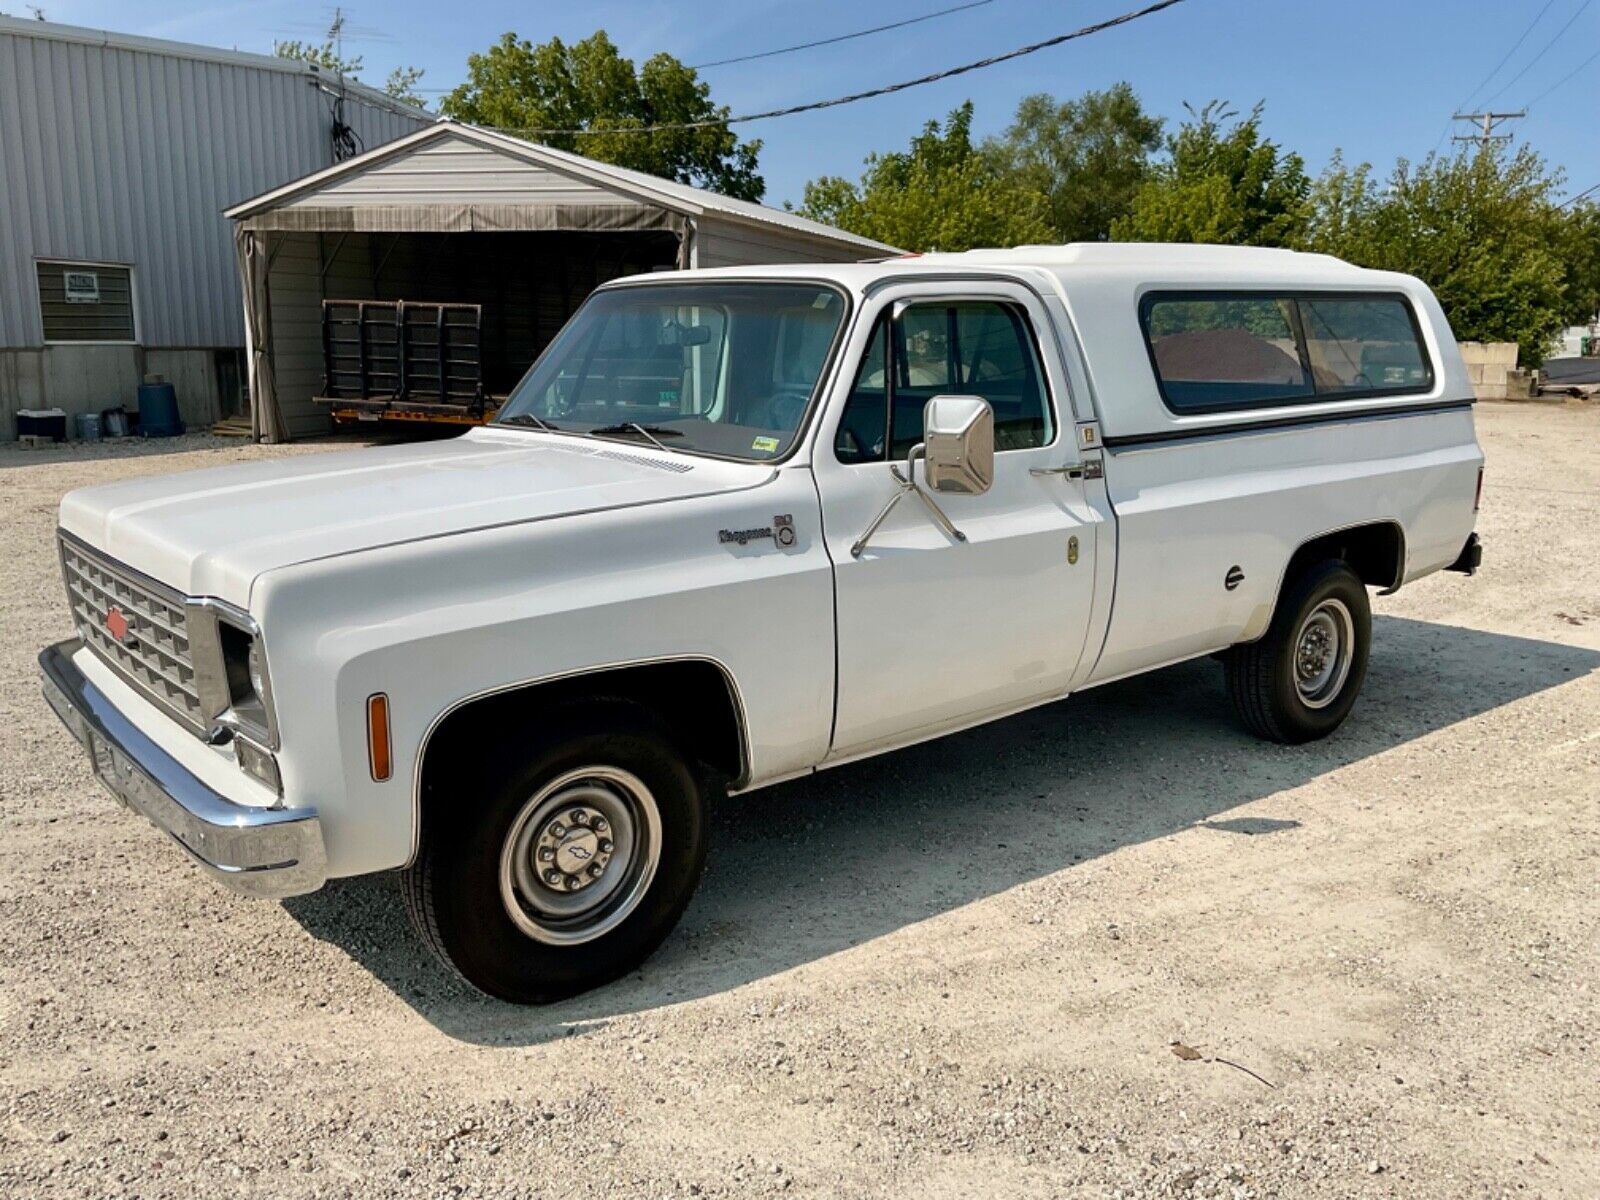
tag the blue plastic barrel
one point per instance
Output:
(158, 410)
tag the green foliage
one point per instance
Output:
(319, 54)
(1222, 182)
(1090, 156)
(1479, 228)
(402, 85)
(941, 194)
(589, 86)
(1579, 249)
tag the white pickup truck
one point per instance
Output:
(737, 526)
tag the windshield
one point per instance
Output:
(716, 368)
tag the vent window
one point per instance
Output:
(86, 302)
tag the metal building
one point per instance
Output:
(356, 277)
(118, 155)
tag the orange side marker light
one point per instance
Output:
(378, 736)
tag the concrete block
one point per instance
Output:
(1503, 354)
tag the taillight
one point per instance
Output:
(1477, 496)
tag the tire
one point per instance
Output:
(478, 890)
(1283, 686)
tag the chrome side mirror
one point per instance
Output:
(958, 444)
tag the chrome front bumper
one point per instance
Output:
(271, 852)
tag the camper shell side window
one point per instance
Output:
(1223, 351)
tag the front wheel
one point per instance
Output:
(1300, 680)
(564, 870)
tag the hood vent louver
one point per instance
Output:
(645, 460)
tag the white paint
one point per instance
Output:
(444, 571)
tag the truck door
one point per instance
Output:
(936, 632)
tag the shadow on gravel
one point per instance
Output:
(810, 868)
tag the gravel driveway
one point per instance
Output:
(1110, 947)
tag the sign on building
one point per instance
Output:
(82, 287)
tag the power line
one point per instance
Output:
(1563, 79)
(1499, 66)
(835, 102)
(1484, 82)
(844, 37)
(1582, 8)
(1571, 200)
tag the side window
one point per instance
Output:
(1214, 353)
(970, 348)
(1364, 345)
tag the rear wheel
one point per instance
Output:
(560, 872)
(1300, 680)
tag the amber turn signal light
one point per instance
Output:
(378, 736)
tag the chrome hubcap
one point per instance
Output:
(580, 855)
(1323, 652)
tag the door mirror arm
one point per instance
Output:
(960, 430)
(907, 485)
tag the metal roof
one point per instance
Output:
(106, 39)
(637, 185)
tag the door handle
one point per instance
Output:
(1069, 472)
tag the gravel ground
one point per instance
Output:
(976, 968)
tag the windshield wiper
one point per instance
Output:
(653, 432)
(527, 418)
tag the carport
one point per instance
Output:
(419, 281)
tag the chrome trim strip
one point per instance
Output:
(267, 852)
(746, 766)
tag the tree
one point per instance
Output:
(402, 85)
(1221, 183)
(1580, 251)
(541, 92)
(941, 194)
(319, 54)
(1089, 156)
(1479, 228)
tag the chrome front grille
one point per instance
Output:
(153, 655)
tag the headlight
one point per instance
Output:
(257, 663)
(231, 676)
(245, 668)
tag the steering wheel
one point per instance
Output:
(786, 407)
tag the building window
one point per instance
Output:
(86, 302)
(1215, 352)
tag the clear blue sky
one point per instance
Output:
(1377, 78)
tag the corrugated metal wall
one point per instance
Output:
(119, 155)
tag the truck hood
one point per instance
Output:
(212, 532)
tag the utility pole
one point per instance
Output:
(1486, 135)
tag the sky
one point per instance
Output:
(1377, 79)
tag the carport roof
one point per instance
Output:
(627, 185)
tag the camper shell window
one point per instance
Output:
(1223, 351)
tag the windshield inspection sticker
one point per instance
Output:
(767, 445)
